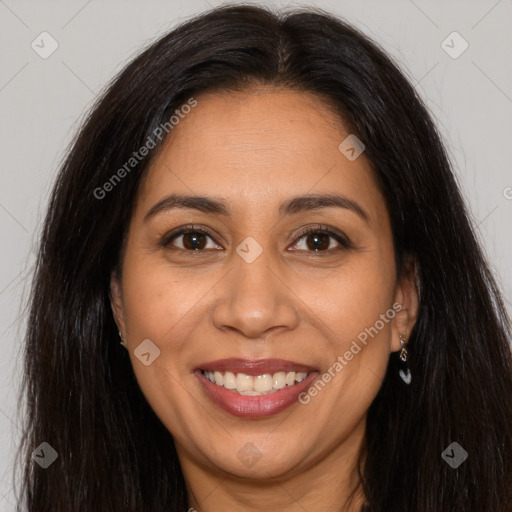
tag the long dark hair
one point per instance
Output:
(82, 397)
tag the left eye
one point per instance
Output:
(317, 240)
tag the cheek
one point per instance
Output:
(158, 301)
(353, 299)
(356, 315)
(160, 307)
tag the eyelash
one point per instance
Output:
(344, 242)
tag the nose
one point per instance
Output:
(255, 300)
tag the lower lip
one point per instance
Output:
(254, 406)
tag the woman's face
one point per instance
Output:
(254, 302)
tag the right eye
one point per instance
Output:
(189, 239)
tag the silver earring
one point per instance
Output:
(403, 352)
(404, 372)
(121, 342)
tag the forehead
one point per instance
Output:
(259, 145)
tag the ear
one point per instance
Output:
(407, 295)
(116, 302)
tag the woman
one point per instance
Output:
(261, 208)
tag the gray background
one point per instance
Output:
(42, 102)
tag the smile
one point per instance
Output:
(254, 388)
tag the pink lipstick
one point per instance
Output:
(254, 388)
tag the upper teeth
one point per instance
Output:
(257, 385)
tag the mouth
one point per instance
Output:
(254, 388)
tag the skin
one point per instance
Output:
(256, 149)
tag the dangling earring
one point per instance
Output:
(122, 342)
(403, 352)
(404, 372)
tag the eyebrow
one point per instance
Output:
(219, 206)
